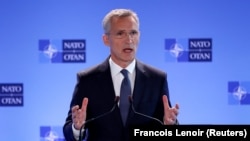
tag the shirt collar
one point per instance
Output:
(115, 69)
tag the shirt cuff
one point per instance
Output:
(76, 132)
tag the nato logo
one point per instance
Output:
(239, 92)
(51, 133)
(188, 50)
(62, 51)
(11, 94)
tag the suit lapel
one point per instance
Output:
(105, 81)
(140, 82)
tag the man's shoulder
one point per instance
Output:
(150, 68)
(88, 70)
(93, 70)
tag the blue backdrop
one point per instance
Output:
(36, 84)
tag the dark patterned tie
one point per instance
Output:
(124, 96)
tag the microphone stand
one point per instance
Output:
(94, 118)
(141, 114)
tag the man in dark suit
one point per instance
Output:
(93, 104)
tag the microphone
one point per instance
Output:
(94, 118)
(141, 114)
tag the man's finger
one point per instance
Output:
(84, 104)
(74, 108)
(165, 102)
(177, 106)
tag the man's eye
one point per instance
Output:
(120, 33)
(134, 32)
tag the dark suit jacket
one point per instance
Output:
(96, 84)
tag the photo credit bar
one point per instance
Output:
(201, 132)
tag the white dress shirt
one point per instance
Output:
(117, 78)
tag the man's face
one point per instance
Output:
(123, 40)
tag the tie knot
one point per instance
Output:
(124, 72)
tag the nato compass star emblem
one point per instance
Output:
(50, 51)
(176, 50)
(51, 136)
(239, 93)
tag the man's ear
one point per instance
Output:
(105, 39)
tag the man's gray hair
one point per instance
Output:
(106, 23)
